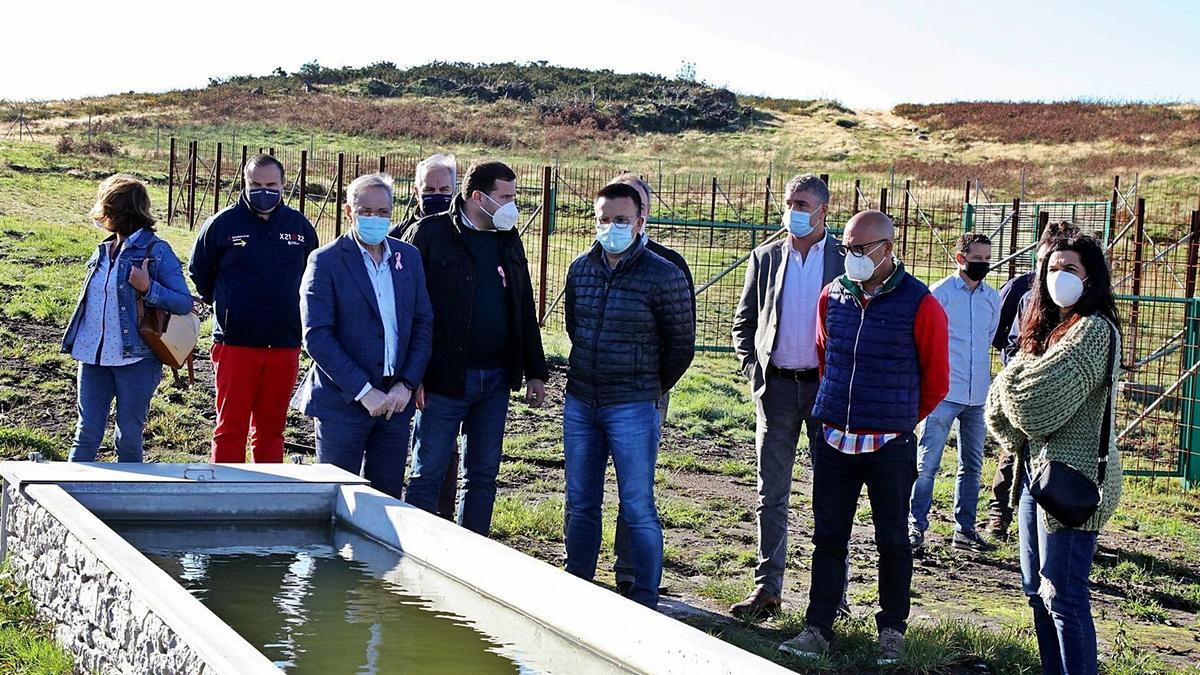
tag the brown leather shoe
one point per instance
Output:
(757, 606)
(997, 529)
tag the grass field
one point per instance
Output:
(968, 610)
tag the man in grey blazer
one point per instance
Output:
(774, 337)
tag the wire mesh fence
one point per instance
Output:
(716, 221)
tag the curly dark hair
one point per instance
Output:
(1043, 324)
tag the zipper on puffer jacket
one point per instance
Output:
(854, 363)
(596, 342)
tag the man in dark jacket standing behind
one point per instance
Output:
(486, 340)
(629, 318)
(248, 261)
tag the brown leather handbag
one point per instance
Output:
(172, 337)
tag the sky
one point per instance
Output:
(865, 53)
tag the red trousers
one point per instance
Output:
(254, 387)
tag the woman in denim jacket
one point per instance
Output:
(114, 361)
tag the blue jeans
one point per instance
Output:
(971, 434)
(629, 432)
(133, 386)
(375, 448)
(481, 413)
(1055, 567)
(622, 569)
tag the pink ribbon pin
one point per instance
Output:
(503, 279)
(399, 265)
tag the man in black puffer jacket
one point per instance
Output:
(629, 317)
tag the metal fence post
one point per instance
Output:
(192, 184)
(712, 205)
(337, 223)
(1193, 253)
(904, 222)
(544, 245)
(217, 181)
(967, 195)
(171, 185)
(1189, 421)
(1112, 211)
(382, 163)
(242, 172)
(856, 183)
(1012, 240)
(1138, 249)
(766, 214)
(883, 200)
(303, 179)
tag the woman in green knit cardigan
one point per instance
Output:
(1048, 404)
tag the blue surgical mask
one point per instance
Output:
(435, 203)
(799, 223)
(372, 229)
(263, 199)
(615, 237)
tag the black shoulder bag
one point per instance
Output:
(1062, 490)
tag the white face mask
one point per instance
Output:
(505, 218)
(861, 268)
(1065, 288)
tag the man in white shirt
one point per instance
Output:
(774, 337)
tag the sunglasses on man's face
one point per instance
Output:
(859, 250)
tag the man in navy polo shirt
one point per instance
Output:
(248, 261)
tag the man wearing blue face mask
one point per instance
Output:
(247, 262)
(629, 318)
(486, 340)
(774, 338)
(368, 327)
(433, 190)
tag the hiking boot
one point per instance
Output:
(916, 539)
(757, 606)
(972, 541)
(810, 644)
(891, 646)
(996, 529)
(623, 588)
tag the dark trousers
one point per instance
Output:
(838, 479)
(375, 448)
(999, 510)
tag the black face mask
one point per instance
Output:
(976, 271)
(435, 203)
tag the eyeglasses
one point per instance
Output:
(620, 225)
(859, 250)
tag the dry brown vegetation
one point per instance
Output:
(1061, 122)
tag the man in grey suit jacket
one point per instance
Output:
(774, 337)
(368, 327)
